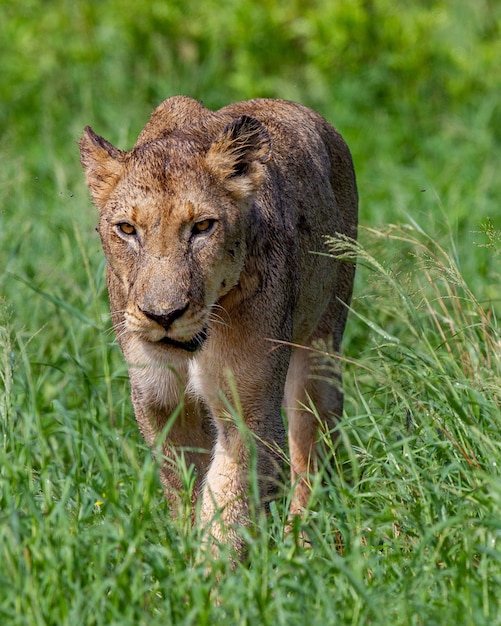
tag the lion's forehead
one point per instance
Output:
(148, 192)
(171, 177)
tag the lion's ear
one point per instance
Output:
(103, 165)
(238, 155)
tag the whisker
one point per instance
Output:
(120, 332)
(218, 319)
(119, 329)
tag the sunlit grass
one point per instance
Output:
(413, 494)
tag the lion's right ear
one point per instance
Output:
(103, 164)
(238, 155)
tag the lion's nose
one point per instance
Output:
(165, 319)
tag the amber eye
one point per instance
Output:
(203, 227)
(126, 229)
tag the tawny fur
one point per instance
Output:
(210, 225)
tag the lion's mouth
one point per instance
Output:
(188, 346)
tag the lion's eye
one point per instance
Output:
(126, 229)
(203, 227)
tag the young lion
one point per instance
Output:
(210, 226)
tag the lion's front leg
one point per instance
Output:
(183, 436)
(226, 497)
(231, 491)
(249, 451)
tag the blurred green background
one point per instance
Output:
(415, 84)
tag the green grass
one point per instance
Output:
(415, 491)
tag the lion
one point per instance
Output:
(221, 293)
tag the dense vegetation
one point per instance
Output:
(415, 492)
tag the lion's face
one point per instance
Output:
(173, 222)
(175, 254)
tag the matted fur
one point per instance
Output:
(210, 225)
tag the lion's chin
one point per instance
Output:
(188, 346)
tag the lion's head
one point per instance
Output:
(173, 216)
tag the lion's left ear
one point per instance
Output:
(238, 155)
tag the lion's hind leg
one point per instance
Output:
(313, 401)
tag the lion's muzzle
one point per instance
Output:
(166, 319)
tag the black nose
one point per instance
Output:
(165, 319)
